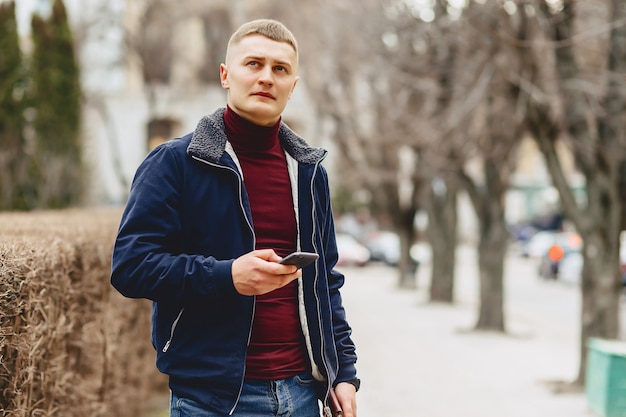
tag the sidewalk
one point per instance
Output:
(422, 360)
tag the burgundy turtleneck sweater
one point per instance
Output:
(276, 348)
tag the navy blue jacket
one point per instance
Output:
(187, 218)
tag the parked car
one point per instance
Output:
(523, 231)
(351, 251)
(384, 247)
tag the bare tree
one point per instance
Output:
(397, 84)
(574, 60)
(477, 121)
(497, 145)
(441, 200)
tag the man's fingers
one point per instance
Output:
(258, 272)
(265, 254)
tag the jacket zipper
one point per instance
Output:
(243, 211)
(169, 341)
(319, 319)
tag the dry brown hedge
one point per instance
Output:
(70, 345)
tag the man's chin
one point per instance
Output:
(262, 113)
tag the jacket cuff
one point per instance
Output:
(347, 373)
(356, 382)
(220, 278)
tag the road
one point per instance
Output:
(421, 359)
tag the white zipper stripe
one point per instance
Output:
(169, 341)
(319, 318)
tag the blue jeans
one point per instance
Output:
(291, 397)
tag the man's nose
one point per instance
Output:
(267, 76)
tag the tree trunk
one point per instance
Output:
(406, 268)
(491, 251)
(442, 234)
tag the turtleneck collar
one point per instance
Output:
(243, 134)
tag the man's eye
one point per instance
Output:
(281, 68)
(253, 63)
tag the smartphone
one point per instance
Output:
(299, 259)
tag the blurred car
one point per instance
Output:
(384, 247)
(523, 231)
(351, 251)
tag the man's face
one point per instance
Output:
(260, 75)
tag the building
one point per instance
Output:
(150, 72)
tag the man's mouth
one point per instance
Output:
(263, 94)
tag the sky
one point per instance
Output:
(23, 11)
(25, 8)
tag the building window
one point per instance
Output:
(161, 130)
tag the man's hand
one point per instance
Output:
(346, 394)
(258, 272)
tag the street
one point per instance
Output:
(421, 359)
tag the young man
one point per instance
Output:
(208, 219)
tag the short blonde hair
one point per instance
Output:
(269, 28)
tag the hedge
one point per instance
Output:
(70, 345)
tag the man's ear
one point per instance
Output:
(224, 76)
(293, 87)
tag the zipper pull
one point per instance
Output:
(167, 346)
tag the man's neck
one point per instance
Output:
(244, 134)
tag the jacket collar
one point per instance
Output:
(208, 141)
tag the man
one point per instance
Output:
(208, 219)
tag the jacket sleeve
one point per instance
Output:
(147, 258)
